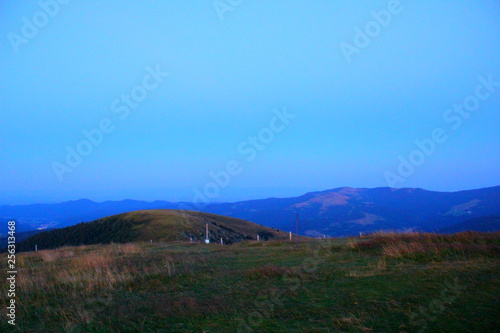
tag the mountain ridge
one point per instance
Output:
(340, 211)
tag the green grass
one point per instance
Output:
(325, 286)
(158, 225)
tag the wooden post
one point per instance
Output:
(36, 248)
(290, 235)
(297, 236)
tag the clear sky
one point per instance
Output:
(355, 113)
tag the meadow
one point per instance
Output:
(382, 282)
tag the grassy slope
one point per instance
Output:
(483, 224)
(174, 225)
(382, 284)
(156, 225)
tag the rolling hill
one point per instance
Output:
(348, 211)
(152, 225)
(20, 236)
(336, 212)
(482, 224)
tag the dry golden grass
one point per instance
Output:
(352, 244)
(54, 255)
(179, 287)
(398, 250)
(428, 245)
(86, 270)
(123, 249)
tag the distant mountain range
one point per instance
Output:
(337, 212)
(484, 224)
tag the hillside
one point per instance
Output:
(483, 224)
(348, 211)
(336, 212)
(20, 236)
(155, 225)
(30, 217)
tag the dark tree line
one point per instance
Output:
(110, 230)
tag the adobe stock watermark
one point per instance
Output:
(371, 30)
(454, 117)
(264, 307)
(31, 27)
(420, 320)
(121, 107)
(248, 149)
(223, 6)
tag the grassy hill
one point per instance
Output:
(377, 283)
(20, 236)
(156, 225)
(336, 212)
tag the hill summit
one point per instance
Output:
(160, 225)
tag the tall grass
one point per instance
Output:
(360, 284)
(87, 270)
(428, 245)
(51, 255)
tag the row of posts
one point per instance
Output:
(222, 242)
(258, 237)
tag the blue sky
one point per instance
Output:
(352, 119)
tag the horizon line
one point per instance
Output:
(263, 198)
